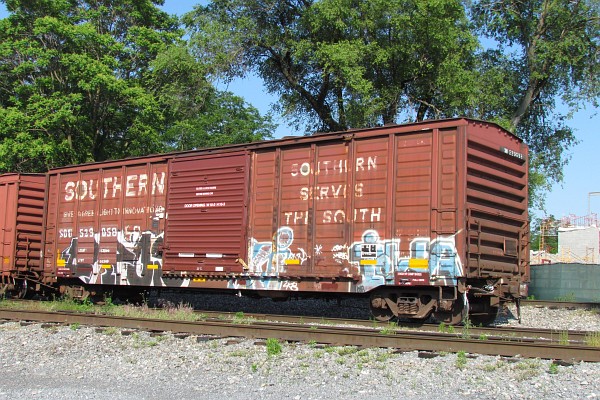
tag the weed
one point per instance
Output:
(563, 338)
(254, 367)
(389, 329)
(592, 339)
(492, 367)
(483, 336)
(273, 347)
(553, 369)
(75, 326)
(312, 343)
(343, 351)
(569, 297)
(239, 353)
(340, 361)
(443, 328)
(238, 317)
(110, 331)
(466, 329)
(528, 369)
(461, 360)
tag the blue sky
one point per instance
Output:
(581, 175)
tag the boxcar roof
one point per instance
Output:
(289, 140)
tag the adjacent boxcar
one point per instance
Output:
(424, 218)
(22, 199)
(105, 223)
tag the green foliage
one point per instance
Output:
(90, 81)
(73, 81)
(542, 51)
(337, 64)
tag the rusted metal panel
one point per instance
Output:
(207, 214)
(105, 222)
(22, 197)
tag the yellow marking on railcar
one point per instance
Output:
(418, 263)
(152, 266)
(292, 262)
(368, 262)
(106, 266)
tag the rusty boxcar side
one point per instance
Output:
(22, 199)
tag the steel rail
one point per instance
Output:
(476, 331)
(328, 335)
(560, 304)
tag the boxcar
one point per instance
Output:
(421, 218)
(22, 205)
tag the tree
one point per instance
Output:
(337, 64)
(547, 51)
(72, 73)
(90, 80)
(196, 114)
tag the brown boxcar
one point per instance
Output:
(424, 218)
(22, 200)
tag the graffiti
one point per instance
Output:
(375, 259)
(288, 285)
(269, 259)
(136, 261)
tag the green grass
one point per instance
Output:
(273, 347)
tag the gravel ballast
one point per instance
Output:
(61, 362)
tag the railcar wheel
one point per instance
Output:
(379, 309)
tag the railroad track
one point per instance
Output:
(555, 335)
(573, 305)
(335, 335)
